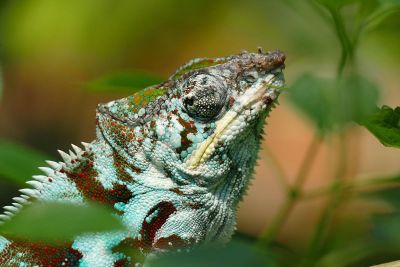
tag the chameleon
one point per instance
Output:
(171, 161)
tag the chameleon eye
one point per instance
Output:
(205, 100)
(250, 78)
(188, 101)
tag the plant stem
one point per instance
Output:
(269, 234)
(338, 188)
(292, 194)
(346, 46)
(280, 173)
(307, 162)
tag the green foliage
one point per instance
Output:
(384, 124)
(58, 222)
(331, 104)
(123, 81)
(312, 96)
(386, 229)
(18, 163)
(336, 3)
(236, 254)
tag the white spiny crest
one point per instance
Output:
(17, 205)
(55, 165)
(86, 146)
(37, 185)
(47, 171)
(9, 214)
(29, 192)
(65, 156)
(3, 218)
(72, 155)
(40, 178)
(77, 150)
(20, 200)
(10, 209)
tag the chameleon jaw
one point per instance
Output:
(259, 96)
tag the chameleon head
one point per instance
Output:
(236, 96)
(209, 116)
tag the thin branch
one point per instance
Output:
(292, 195)
(307, 163)
(280, 172)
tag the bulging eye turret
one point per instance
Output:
(205, 96)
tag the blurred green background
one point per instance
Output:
(50, 51)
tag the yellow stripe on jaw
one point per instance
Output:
(207, 147)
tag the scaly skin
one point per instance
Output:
(172, 161)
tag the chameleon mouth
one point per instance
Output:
(259, 97)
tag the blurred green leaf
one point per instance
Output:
(392, 3)
(18, 163)
(389, 195)
(58, 222)
(331, 104)
(385, 9)
(384, 124)
(356, 99)
(351, 252)
(386, 228)
(337, 3)
(123, 81)
(235, 254)
(313, 96)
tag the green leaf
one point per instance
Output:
(384, 124)
(59, 222)
(336, 3)
(391, 3)
(386, 228)
(123, 81)
(347, 255)
(331, 104)
(313, 96)
(18, 163)
(385, 9)
(356, 99)
(235, 254)
(389, 195)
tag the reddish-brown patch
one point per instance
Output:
(231, 101)
(42, 254)
(189, 127)
(176, 191)
(122, 263)
(173, 241)
(84, 177)
(149, 229)
(194, 206)
(122, 134)
(120, 165)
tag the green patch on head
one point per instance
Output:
(196, 64)
(142, 98)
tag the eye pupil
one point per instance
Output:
(189, 101)
(250, 78)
